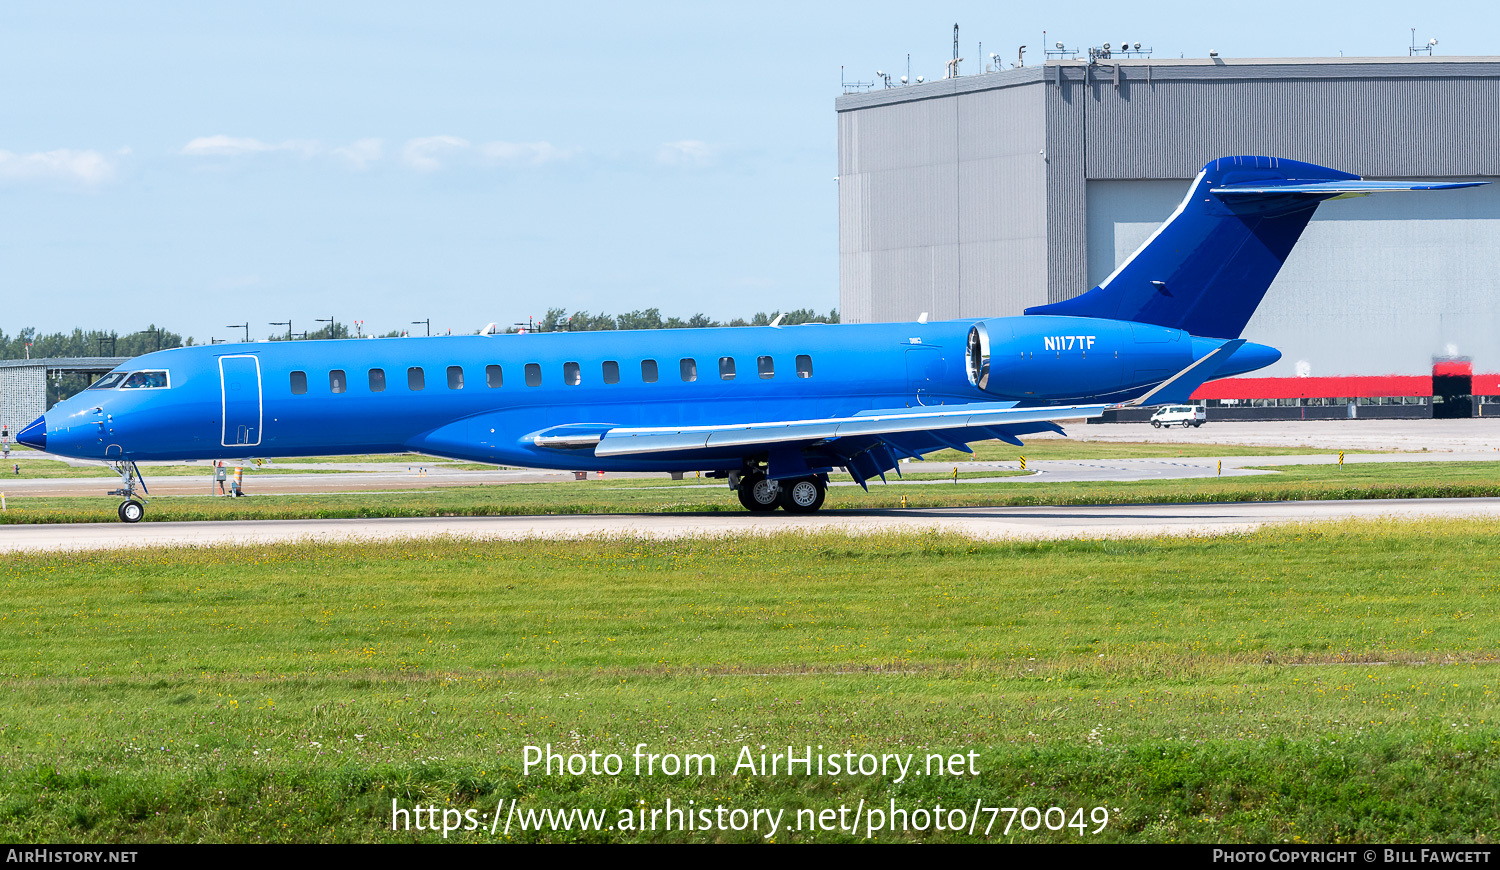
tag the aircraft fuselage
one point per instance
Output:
(483, 398)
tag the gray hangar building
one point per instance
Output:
(980, 195)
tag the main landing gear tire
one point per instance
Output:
(803, 495)
(131, 511)
(758, 494)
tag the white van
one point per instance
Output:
(1179, 415)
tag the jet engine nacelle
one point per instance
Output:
(1052, 358)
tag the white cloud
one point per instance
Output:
(688, 152)
(522, 153)
(64, 164)
(234, 146)
(223, 146)
(361, 154)
(422, 154)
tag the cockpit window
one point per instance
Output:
(145, 381)
(108, 382)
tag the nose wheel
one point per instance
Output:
(131, 509)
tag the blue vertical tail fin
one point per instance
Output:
(1206, 269)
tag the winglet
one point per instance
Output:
(1179, 387)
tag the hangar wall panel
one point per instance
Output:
(1387, 120)
(942, 206)
(1066, 213)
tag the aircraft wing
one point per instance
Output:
(636, 440)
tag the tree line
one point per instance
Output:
(92, 342)
(99, 342)
(559, 320)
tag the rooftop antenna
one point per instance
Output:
(1057, 50)
(1415, 49)
(848, 87)
(953, 64)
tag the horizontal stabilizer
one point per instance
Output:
(1179, 387)
(1336, 189)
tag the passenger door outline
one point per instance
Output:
(240, 428)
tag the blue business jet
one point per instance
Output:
(771, 409)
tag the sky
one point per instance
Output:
(199, 164)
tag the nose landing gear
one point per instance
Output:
(131, 510)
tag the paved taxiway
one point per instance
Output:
(1002, 522)
(341, 479)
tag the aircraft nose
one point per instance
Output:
(35, 435)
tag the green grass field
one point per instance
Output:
(1323, 683)
(1289, 483)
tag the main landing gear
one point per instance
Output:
(801, 495)
(131, 509)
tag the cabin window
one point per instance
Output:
(648, 371)
(766, 367)
(804, 365)
(611, 372)
(455, 377)
(493, 376)
(689, 369)
(572, 375)
(145, 380)
(299, 383)
(109, 381)
(377, 380)
(533, 375)
(726, 368)
(337, 383)
(415, 379)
